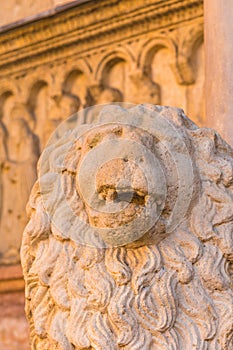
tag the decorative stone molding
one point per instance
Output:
(57, 35)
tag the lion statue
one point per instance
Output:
(130, 239)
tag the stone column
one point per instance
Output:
(218, 15)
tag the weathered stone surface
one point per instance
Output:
(169, 288)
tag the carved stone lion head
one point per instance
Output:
(129, 243)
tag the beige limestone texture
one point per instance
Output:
(170, 293)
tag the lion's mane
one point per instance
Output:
(176, 295)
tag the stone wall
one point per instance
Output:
(20, 10)
(13, 324)
(91, 52)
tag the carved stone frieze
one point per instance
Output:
(60, 31)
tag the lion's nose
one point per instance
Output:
(121, 181)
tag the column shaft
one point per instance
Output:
(218, 17)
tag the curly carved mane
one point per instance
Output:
(170, 296)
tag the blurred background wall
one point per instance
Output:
(15, 10)
(57, 57)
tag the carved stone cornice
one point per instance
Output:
(77, 29)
